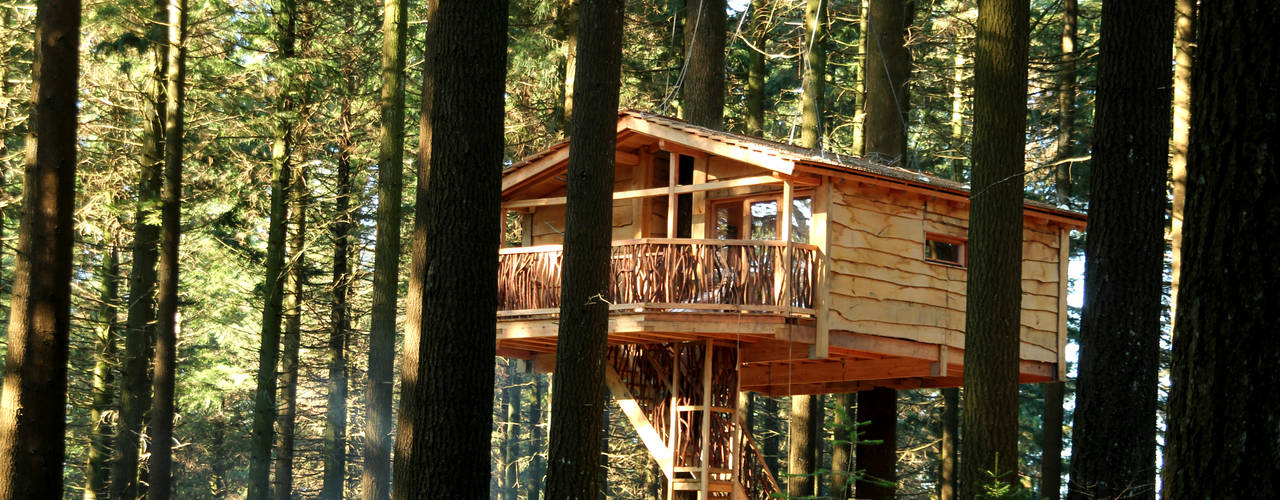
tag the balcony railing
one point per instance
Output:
(671, 274)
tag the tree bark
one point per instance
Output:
(815, 73)
(448, 388)
(1222, 421)
(758, 30)
(96, 468)
(1066, 102)
(33, 405)
(536, 446)
(995, 245)
(950, 437)
(888, 66)
(166, 370)
(704, 32)
(264, 401)
(286, 422)
(842, 452)
(375, 477)
(1114, 439)
(1051, 442)
(335, 422)
(135, 390)
(802, 449)
(574, 460)
(879, 408)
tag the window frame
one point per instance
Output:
(961, 242)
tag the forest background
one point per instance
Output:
(239, 72)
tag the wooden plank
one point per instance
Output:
(707, 359)
(698, 217)
(673, 170)
(883, 346)
(710, 146)
(644, 429)
(839, 370)
(674, 426)
(819, 235)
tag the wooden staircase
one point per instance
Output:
(681, 398)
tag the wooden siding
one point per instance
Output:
(882, 285)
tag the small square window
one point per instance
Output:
(944, 250)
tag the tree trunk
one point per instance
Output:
(801, 454)
(536, 446)
(291, 341)
(569, 51)
(995, 246)
(704, 30)
(815, 72)
(33, 405)
(166, 370)
(842, 452)
(335, 422)
(1051, 442)
(888, 66)
(769, 445)
(448, 387)
(950, 437)
(574, 460)
(1222, 418)
(1114, 439)
(879, 409)
(957, 114)
(375, 478)
(512, 430)
(264, 401)
(860, 80)
(758, 30)
(96, 470)
(1066, 102)
(135, 387)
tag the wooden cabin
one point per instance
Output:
(741, 264)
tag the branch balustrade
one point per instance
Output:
(671, 274)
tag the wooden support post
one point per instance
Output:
(640, 175)
(698, 221)
(674, 430)
(705, 479)
(782, 269)
(673, 175)
(1064, 257)
(820, 236)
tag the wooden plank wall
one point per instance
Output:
(548, 222)
(882, 285)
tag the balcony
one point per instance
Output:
(672, 275)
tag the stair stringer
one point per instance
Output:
(644, 429)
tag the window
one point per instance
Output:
(944, 249)
(756, 218)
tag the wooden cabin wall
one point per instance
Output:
(881, 283)
(548, 222)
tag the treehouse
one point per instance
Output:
(740, 264)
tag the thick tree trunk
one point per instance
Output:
(166, 370)
(335, 422)
(375, 478)
(135, 387)
(1223, 413)
(574, 459)
(888, 66)
(286, 422)
(96, 470)
(950, 437)
(448, 387)
(1066, 102)
(879, 408)
(815, 72)
(842, 451)
(33, 405)
(1114, 439)
(1051, 442)
(802, 447)
(995, 245)
(704, 32)
(758, 30)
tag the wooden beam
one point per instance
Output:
(842, 370)
(673, 171)
(533, 169)
(1064, 257)
(624, 158)
(674, 428)
(652, 192)
(884, 346)
(820, 235)
(850, 386)
(710, 146)
(644, 429)
(698, 212)
(671, 147)
(707, 357)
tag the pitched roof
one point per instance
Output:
(787, 153)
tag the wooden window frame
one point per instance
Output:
(746, 201)
(962, 242)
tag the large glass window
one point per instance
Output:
(757, 218)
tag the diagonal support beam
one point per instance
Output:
(648, 435)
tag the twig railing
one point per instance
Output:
(671, 274)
